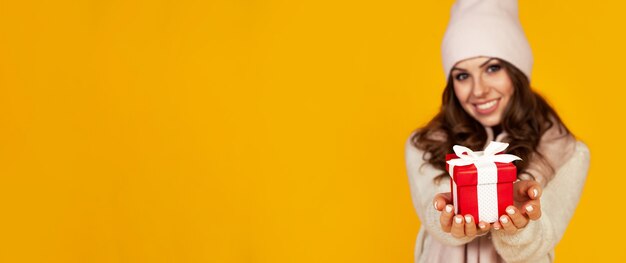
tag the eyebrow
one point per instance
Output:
(481, 65)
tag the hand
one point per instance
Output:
(526, 207)
(459, 226)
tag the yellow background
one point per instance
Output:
(263, 131)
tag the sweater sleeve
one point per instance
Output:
(558, 202)
(423, 190)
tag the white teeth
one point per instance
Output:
(487, 105)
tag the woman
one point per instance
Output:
(487, 61)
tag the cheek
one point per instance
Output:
(503, 84)
(461, 93)
(510, 90)
(507, 95)
(507, 92)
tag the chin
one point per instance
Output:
(489, 122)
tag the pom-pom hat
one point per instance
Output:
(488, 28)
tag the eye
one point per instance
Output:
(461, 76)
(493, 68)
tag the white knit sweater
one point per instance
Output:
(533, 243)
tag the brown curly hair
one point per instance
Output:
(526, 118)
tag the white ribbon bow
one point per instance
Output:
(488, 156)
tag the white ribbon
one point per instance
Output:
(488, 156)
(487, 172)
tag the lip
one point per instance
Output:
(486, 111)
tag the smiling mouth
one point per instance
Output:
(487, 107)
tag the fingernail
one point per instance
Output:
(535, 192)
(435, 205)
(448, 208)
(504, 220)
(481, 225)
(468, 219)
(496, 227)
(458, 219)
(529, 208)
(510, 210)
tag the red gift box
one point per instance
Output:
(482, 187)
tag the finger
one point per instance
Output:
(507, 225)
(519, 220)
(533, 209)
(534, 190)
(470, 226)
(458, 227)
(446, 218)
(441, 200)
(497, 225)
(483, 228)
(524, 190)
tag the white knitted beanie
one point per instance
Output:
(488, 28)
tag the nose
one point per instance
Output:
(481, 88)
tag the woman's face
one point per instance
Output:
(483, 88)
